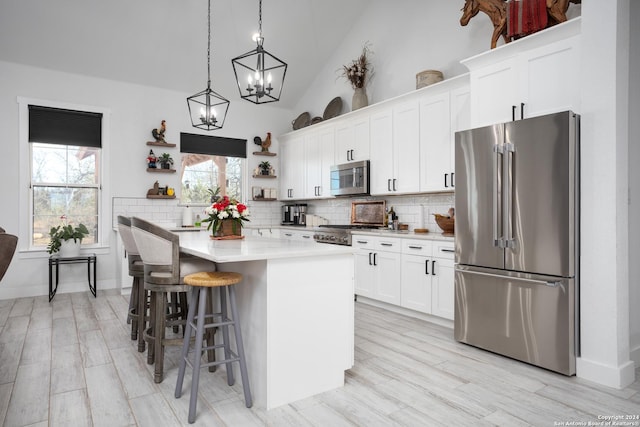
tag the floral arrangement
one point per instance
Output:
(65, 232)
(224, 208)
(359, 70)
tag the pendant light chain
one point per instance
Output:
(209, 46)
(260, 18)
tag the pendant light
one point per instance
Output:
(207, 109)
(259, 74)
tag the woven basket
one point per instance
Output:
(428, 77)
(445, 223)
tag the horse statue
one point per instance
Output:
(497, 12)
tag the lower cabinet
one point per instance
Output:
(377, 264)
(411, 273)
(302, 234)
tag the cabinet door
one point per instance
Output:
(442, 282)
(292, 169)
(313, 165)
(494, 91)
(326, 141)
(364, 273)
(406, 148)
(415, 283)
(435, 143)
(545, 91)
(381, 149)
(352, 140)
(387, 280)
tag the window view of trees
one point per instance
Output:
(201, 172)
(64, 181)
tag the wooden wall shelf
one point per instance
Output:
(263, 153)
(264, 176)
(160, 170)
(161, 144)
(160, 196)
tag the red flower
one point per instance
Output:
(241, 208)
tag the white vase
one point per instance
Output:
(359, 99)
(69, 248)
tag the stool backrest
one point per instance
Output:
(133, 255)
(159, 250)
(8, 244)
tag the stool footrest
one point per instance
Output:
(213, 325)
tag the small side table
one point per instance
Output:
(56, 260)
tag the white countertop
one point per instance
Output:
(405, 234)
(253, 248)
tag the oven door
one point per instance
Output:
(350, 179)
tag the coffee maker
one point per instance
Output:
(295, 214)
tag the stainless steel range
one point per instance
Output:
(364, 215)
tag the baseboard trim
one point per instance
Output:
(405, 311)
(611, 376)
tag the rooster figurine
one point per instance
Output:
(266, 143)
(158, 134)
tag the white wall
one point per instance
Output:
(406, 36)
(134, 111)
(634, 184)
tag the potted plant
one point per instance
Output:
(265, 168)
(63, 237)
(165, 160)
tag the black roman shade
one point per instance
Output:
(65, 127)
(213, 145)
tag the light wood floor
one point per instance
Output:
(71, 363)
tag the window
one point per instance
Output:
(208, 163)
(65, 164)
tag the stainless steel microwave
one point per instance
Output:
(350, 178)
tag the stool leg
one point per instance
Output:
(173, 308)
(185, 342)
(210, 334)
(184, 309)
(195, 378)
(225, 335)
(142, 313)
(133, 308)
(152, 325)
(158, 334)
(243, 365)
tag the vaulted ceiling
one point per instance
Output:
(163, 43)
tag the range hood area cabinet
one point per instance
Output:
(533, 76)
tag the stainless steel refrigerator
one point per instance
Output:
(516, 229)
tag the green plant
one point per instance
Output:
(265, 166)
(65, 232)
(166, 158)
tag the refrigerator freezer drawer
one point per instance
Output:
(526, 319)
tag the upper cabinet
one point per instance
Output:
(352, 139)
(319, 157)
(536, 75)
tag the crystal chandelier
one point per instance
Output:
(207, 109)
(259, 74)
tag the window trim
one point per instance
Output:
(25, 249)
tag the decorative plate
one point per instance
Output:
(334, 108)
(302, 121)
(316, 119)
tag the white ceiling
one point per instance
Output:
(163, 43)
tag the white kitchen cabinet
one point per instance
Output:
(302, 234)
(319, 157)
(443, 111)
(427, 281)
(536, 75)
(352, 139)
(292, 176)
(377, 266)
(265, 232)
(395, 145)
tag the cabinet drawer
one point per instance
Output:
(443, 250)
(388, 245)
(417, 247)
(363, 242)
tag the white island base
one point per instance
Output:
(297, 325)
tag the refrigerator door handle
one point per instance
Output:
(497, 197)
(509, 157)
(550, 283)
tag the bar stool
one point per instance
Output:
(200, 295)
(164, 271)
(137, 314)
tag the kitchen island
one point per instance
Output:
(296, 312)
